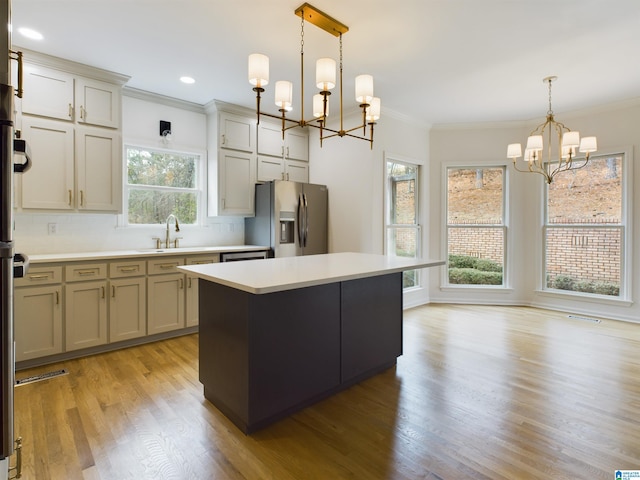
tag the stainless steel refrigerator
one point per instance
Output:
(291, 218)
(11, 264)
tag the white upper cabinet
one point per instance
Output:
(98, 179)
(50, 182)
(56, 94)
(233, 193)
(98, 103)
(237, 132)
(71, 121)
(282, 159)
(48, 92)
(294, 146)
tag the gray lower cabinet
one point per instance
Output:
(85, 306)
(165, 301)
(127, 300)
(67, 307)
(38, 313)
(127, 309)
(38, 325)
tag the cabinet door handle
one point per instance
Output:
(189, 282)
(85, 273)
(57, 297)
(182, 284)
(113, 291)
(82, 113)
(82, 198)
(103, 292)
(287, 152)
(40, 276)
(224, 139)
(166, 266)
(70, 197)
(70, 111)
(128, 269)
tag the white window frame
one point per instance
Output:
(505, 225)
(418, 216)
(627, 236)
(200, 184)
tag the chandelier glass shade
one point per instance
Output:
(328, 76)
(558, 155)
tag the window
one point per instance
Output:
(402, 226)
(476, 230)
(160, 183)
(585, 229)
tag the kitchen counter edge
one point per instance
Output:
(288, 273)
(152, 253)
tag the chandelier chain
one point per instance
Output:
(341, 52)
(302, 33)
(550, 112)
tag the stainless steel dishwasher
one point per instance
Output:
(241, 256)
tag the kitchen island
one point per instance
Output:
(277, 335)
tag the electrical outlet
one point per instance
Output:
(53, 228)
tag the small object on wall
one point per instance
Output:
(165, 131)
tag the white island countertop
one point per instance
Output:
(288, 273)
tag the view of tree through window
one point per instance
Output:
(403, 229)
(584, 230)
(160, 184)
(475, 225)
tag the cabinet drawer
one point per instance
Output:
(127, 269)
(40, 276)
(87, 271)
(164, 265)
(202, 260)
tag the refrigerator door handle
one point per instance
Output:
(299, 220)
(20, 146)
(306, 220)
(20, 265)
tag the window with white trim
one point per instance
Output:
(160, 183)
(402, 216)
(585, 228)
(476, 229)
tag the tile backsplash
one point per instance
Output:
(65, 233)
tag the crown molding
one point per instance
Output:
(584, 112)
(70, 66)
(162, 99)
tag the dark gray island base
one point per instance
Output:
(265, 356)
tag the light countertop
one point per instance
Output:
(279, 274)
(150, 252)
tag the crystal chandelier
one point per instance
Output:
(325, 81)
(560, 156)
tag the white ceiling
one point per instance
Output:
(438, 61)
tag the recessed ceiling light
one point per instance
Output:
(30, 33)
(187, 80)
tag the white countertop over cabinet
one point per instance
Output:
(288, 273)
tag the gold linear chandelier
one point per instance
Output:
(560, 157)
(325, 81)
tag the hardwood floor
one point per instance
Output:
(480, 393)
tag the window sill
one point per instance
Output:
(476, 288)
(578, 297)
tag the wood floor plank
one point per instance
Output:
(481, 392)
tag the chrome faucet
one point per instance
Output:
(168, 237)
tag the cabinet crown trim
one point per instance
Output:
(72, 67)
